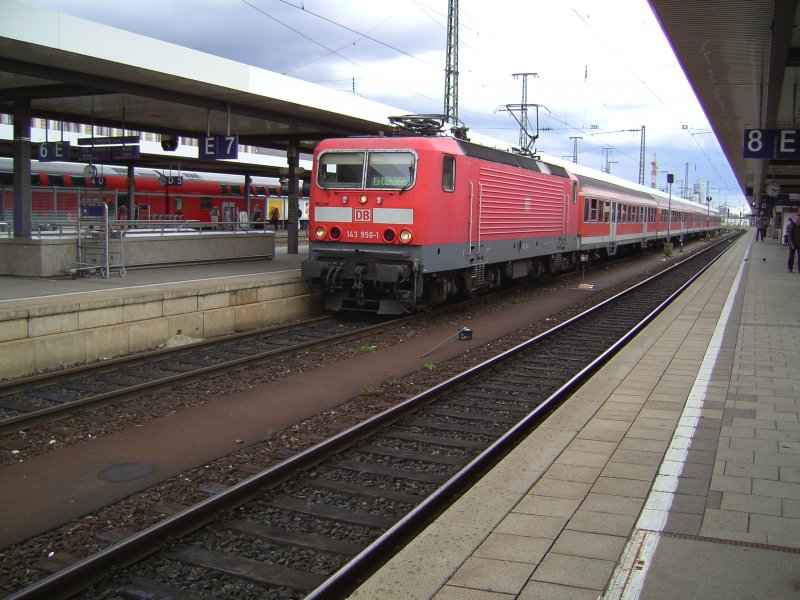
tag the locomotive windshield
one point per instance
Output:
(374, 169)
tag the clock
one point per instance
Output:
(773, 189)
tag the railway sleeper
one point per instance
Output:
(434, 440)
(491, 432)
(351, 489)
(479, 401)
(426, 457)
(252, 570)
(332, 513)
(473, 416)
(141, 588)
(372, 469)
(298, 539)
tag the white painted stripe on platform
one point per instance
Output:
(630, 574)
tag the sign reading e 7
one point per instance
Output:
(219, 147)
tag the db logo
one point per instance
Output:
(363, 215)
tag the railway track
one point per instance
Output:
(25, 402)
(314, 524)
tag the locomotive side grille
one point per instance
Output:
(514, 204)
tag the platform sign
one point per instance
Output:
(218, 147)
(171, 180)
(772, 143)
(50, 151)
(98, 181)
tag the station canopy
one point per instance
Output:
(76, 71)
(740, 56)
(742, 59)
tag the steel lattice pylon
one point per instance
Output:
(451, 68)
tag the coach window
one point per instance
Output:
(593, 216)
(449, 173)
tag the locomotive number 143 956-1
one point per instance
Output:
(361, 235)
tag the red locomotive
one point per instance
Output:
(400, 223)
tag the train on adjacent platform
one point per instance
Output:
(402, 223)
(57, 188)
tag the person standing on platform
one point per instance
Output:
(122, 215)
(793, 239)
(274, 217)
(761, 228)
(257, 218)
(214, 216)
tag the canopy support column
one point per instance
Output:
(22, 168)
(292, 240)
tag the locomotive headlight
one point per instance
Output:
(320, 232)
(405, 236)
(363, 199)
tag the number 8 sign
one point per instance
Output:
(759, 143)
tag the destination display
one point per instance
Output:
(94, 154)
(109, 141)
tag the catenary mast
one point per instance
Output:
(451, 68)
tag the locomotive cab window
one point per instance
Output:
(390, 170)
(341, 170)
(449, 173)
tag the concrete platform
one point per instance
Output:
(674, 472)
(50, 322)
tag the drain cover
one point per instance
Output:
(126, 472)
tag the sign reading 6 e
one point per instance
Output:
(772, 143)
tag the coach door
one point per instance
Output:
(612, 226)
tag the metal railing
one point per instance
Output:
(66, 229)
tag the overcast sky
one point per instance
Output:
(602, 68)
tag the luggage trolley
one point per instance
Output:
(101, 246)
